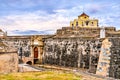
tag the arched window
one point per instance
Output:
(76, 23)
(72, 25)
(82, 24)
(92, 23)
(87, 23)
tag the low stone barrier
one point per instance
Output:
(8, 62)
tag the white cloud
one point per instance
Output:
(38, 21)
(41, 20)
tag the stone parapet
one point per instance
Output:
(8, 62)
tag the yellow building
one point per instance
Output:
(84, 21)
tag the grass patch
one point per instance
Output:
(45, 75)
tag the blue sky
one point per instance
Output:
(28, 17)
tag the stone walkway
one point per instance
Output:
(26, 68)
(79, 72)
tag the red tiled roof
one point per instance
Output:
(83, 14)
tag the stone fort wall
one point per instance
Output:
(109, 60)
(8, 62)
(72, 52)
(87, 32)
(100, 56)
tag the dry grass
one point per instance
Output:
(45, 75)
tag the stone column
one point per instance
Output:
(41, 53)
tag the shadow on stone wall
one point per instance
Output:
(74, 52)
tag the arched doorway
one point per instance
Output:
(35, 55)
(35, 52)
(29, 62)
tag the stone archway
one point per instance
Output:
(35, 55)
(29, 62)
(36, 49)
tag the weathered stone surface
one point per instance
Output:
(72, 52)
(115, 58)
(84, 53)
(20, 43)
(8, 62)
(104, 58)
(109, 60)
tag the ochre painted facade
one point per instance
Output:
(84, 21)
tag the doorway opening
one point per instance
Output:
(35, 55)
